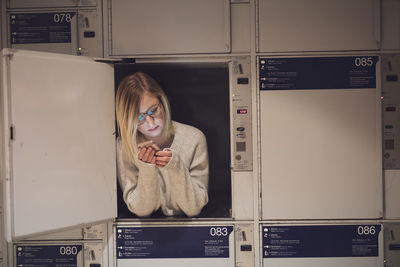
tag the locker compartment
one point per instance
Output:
(320, 138)
(329, 245)
(61, 253)
(188, 244)
(312, 25)
(197, 92)
(65, 31)
(84, 247)
(175, 27)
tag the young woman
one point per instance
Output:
(161, 163)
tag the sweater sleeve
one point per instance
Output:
(139, 184)
(190, 179)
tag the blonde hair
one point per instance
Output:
(127, 102)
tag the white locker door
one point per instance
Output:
(62, 156)
(175, 245)
(320, 148)
(169, 27)
(326, 245)
(315, 25)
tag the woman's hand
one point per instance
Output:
(163, 157)
(147, 154)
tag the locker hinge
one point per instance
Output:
(11, 132)
(8, 52)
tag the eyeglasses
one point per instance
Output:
(153, 112)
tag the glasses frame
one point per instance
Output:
(150, 112)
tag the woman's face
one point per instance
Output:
(152, 125)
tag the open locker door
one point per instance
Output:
(59, 111)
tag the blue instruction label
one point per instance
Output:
(321, 241)
(36, 28)
(47, 256)
(173, 242)
(347, 72)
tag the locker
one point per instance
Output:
(328, 245)
(310, 25)
(57, 177)
(320, 120)
(194, 27)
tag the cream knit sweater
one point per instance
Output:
(179, 187)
